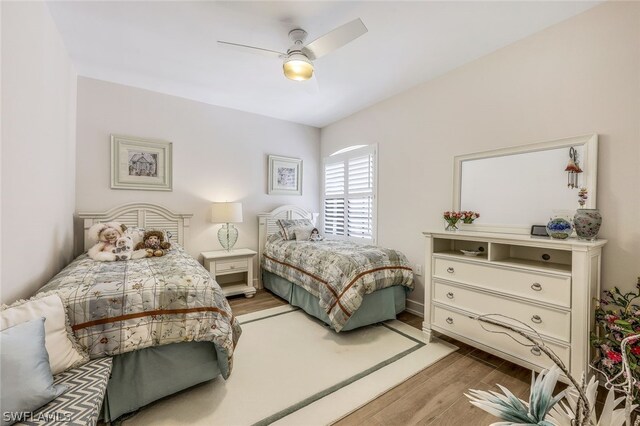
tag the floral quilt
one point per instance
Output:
(337, 272)
(118, 307)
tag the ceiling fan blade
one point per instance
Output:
(253, 49)
(335, 39)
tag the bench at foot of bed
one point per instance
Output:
(80, 405)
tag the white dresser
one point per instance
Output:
(547, 284)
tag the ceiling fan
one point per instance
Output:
(298, 60)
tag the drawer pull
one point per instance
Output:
(450, 270)
(536, 319)
(450, 295)
(449, 320)
(536, 287)
(536, 351)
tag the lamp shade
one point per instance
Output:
(226, 212)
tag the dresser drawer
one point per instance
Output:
(555, 289)
(550, 322)
(470, 328)
(232, 265)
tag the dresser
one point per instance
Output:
(549, 285)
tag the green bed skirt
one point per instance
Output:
(141, 377)
(376, 307)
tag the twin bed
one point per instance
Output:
(164, 320)
(345, 285)
(167, 324)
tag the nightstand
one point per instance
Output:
(233, 270)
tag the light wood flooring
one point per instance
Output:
(435, 396)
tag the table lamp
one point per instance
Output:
(227, 213)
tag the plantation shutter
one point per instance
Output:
(334, 183)
(349, 195)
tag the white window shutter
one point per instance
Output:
(349, 195)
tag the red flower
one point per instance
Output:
(614, 356)
(611, 318)
(635, 350)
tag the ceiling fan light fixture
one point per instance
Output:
(298, 67)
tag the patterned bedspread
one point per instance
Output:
(339, 273)
(118, 307)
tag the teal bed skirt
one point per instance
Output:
(146, 375)
(376, 307)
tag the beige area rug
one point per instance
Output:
(290, 369)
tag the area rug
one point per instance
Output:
(291, 369)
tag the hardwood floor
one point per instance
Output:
(435, 396)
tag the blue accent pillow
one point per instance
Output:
(25, 374)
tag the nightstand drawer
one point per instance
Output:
(232, 265)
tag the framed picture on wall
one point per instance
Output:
(285, 175)
(140, 164)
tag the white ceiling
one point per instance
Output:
(170, 47)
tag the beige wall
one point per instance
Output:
(38, 150)
(218, 154)
(580, 76)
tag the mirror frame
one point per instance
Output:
(589, 164)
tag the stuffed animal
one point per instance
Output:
(124, 248)
(105, 235)
(154, 244)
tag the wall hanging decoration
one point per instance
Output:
(586, 221)
(573, 169)
(141, 164)
(285, 175)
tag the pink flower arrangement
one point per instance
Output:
(469, 217)
(452, 219)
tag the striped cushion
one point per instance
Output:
(80, 405)
(288, 227)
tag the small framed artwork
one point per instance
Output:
(140, 164)
(285, 175)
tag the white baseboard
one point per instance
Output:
(415, 308)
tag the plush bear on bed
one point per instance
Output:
(154, 244)
(106, 236)
(124, 248)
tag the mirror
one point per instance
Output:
(517, 187)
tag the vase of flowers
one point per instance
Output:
(469, 217)
(587, 222)
(618, 317)
(451, 218)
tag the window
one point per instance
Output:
(349, 202)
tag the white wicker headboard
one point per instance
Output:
(144, 215)
(267, 225)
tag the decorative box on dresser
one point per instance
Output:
(550, 285)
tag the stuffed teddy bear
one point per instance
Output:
(154, 244)
(105, 235)
(124, 248)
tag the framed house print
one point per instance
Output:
(140, 164)
(285, 175)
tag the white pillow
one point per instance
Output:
(303, 233)
(64, 351)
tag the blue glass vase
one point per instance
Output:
(559, 227)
